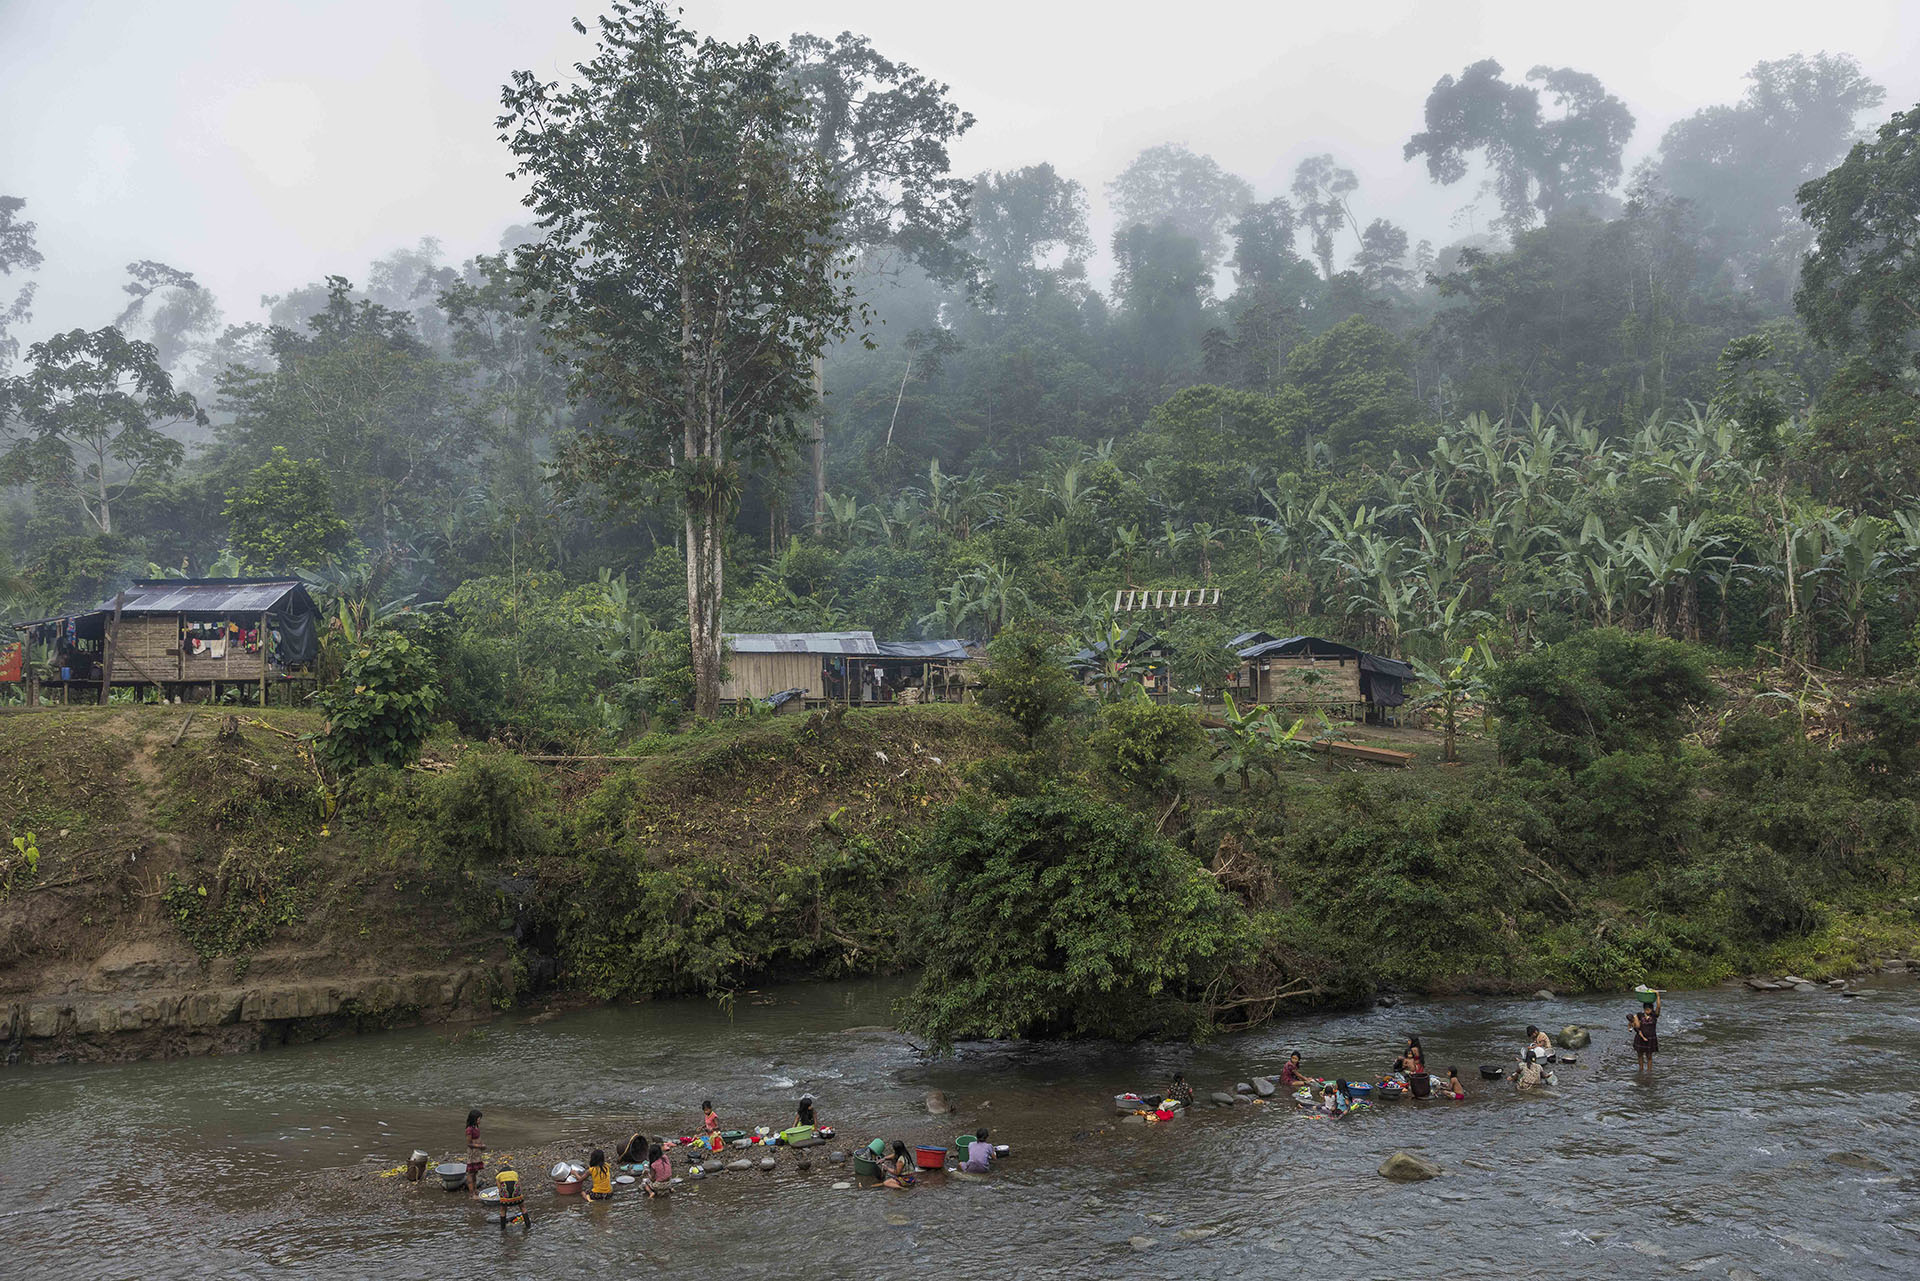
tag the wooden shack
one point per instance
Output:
(1313, 674)
(193, 638)
(811, 669)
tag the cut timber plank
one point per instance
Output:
(1378, 755)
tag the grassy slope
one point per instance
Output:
(123, 818)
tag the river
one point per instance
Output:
(1718, 1166)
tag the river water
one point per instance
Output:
(1717, 1166)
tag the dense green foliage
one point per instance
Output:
(282, 518)
(381, 708)
(1595, 694)
(1061, 915)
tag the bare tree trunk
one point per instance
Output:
(820, 444)
(704, 522)
(1862, 639)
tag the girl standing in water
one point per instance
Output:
(1646, 1033)
(476, 1153)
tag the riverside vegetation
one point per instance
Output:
(1053, 865)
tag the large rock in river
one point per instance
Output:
(1856, 1161)
(1263, 1086)
(1404, 1167)
(1221, 1099)
(1574, 1037)
(937, 1103)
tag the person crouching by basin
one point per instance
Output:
(979, 1154)
(659, 1181)
(896, 1168)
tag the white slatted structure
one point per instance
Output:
(1136, 600)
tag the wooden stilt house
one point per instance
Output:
(191, 638)
(1313, 674)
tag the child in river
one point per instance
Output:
(659, 1180)
(896, 1171)
(1454, 1089)
(1646, 1031)
(599, 1176)
(633, 1151)
(476, 1158)
(1291, 1076)
(709, 1119)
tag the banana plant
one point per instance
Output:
(1250, 741)
(1450, 688)
(1109, 643)
(1862, 558)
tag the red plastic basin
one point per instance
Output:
(930, 1158)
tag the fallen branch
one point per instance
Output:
(1536, 875)
(1161, 825)
(182, 731)
(1299, 987)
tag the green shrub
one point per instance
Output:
(1061, 915)
(1027, 681)
(489, 811)
(1598, 692)
(1413, 885)
(381, 709)
(1139, 742)
(252, 896)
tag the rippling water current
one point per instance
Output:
(1717, 1166)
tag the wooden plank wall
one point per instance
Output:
(147, 649)
(759, 675)
(1286, 680)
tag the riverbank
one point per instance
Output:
(201, 892)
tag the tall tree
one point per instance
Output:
(1740, 164)
(1860, 291)
(1171, 185)
(1023, 221)
(176, 312)
(360, 393)
(520, 390)
(882, 130)
(282, 518)
(1322, 188)
(89, 418)
(1382, 260)
(18, 253)
(1541, 166)
(691, 268)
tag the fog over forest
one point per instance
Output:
(1101, 306)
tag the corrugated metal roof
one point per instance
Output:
(1330, 649)
(942, 649)
(802, 643)
(205, 595)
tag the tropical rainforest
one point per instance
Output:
(1629, 470)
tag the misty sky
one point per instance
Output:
(263, 145)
